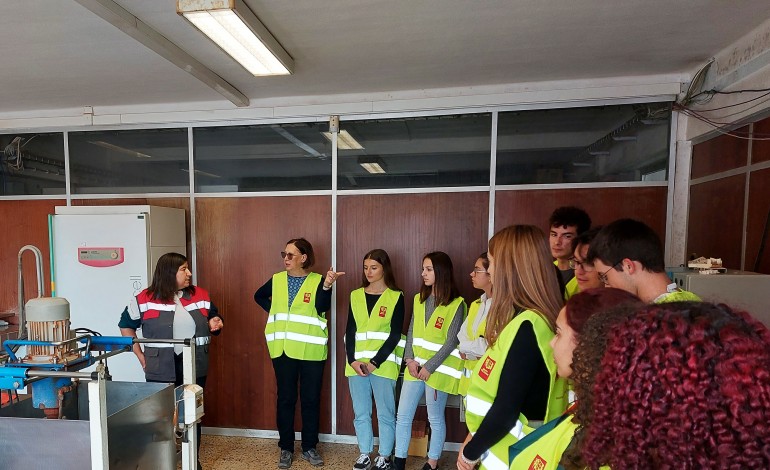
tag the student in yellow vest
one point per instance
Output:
(296, 332)
(433, 364)
(581, 332)
(629, 255)
(586, 275)
(565, 224)
(683, 385)
(473, 345)
(372, 338)
(515, 381)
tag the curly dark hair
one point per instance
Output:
(683, 385)
(586, 360)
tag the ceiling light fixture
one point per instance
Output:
(624, 138)
(598, 153)
(345, 141)
(238, 31)
(373, 165)
(120, 149)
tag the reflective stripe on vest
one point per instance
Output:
(486, 378)
(296, 330)
(373, 329)
(429, 338)
(470, 364)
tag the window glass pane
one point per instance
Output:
(129, 161)
(275, 157)
(416, 152)
(581, 145)
(32, 164)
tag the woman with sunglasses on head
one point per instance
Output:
(473, 345)
(515, 384)
(433, 364)
(296, 332)
(374, 350)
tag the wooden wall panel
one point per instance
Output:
(719, 154)
(758, 214)
(24, 223)
(760, 149)
(239, 241)
(604, 205)
(715, 223)
(407, 227)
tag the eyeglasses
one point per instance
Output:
(585, 266)
(289, 256)
(479, 271)
(603, 276)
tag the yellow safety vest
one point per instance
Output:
(486, 379)
(428, 339)
(297, 331)
(372, 329)
(468, 364)
(571, 288)
(678, 296)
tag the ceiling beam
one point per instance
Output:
(117, 16)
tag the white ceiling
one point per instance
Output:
(56, 54)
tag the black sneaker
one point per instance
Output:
(399, 463)
(382, 463)
(428, 467)
(313, 457)
(363, 463)
(285, 460)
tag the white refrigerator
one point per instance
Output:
(102, 256)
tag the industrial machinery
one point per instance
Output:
(100, 425)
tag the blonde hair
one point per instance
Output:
(524, 278)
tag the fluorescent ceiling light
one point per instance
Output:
(200, 172)
(234, 28)
(345, 141)
(120, 149)
(373, 165)
(597, 153)
(624, 138)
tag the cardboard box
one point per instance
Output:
(418, 445)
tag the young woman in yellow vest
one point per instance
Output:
(515, 381)
(433, 364)
(581, 334)
(374, 348)
(296, 332)
(473, 345)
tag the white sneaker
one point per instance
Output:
(363, 463)
(381, 463)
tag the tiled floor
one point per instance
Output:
(248, 453)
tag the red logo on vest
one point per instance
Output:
(538, 463)
(383, 311)
(307, 298)
(439, 322)
(486, 368)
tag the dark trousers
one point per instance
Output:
(309, 374)
(179, 368)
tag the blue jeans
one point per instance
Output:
(407, 405)
(384, 390)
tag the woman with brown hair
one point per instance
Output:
(515, 381)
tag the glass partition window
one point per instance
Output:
(583, 145)
(32, 164)
(415, 152)
(133, 161)
(275, 157)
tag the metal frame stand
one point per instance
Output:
(190, 440)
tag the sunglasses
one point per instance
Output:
(289, 256)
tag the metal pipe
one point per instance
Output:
(40, 290)
(37, 374)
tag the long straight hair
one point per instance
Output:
(444, 289)
(523, 278)
(163, 286)
(381, 256)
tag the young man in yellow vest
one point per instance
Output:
(628, 255)
(565, 224)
